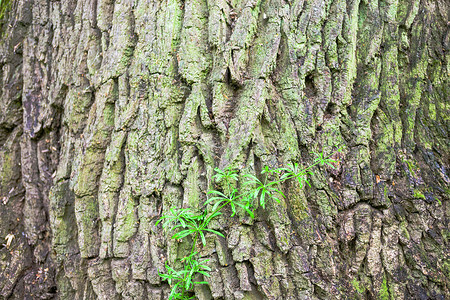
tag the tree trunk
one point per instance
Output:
(112, 112)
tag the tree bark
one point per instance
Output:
(112, 112)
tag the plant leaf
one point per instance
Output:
(203, 237)
(182, 234)
(216, 205)
(214, 231)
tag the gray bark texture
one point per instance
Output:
(114, 111)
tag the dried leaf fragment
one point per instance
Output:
(9, 239)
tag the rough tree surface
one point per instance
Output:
(113, 111)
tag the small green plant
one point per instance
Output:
(187, 224)
(182, 281)
(418, 194)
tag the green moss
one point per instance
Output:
(192, 183)
(129, 223)
(299, 206)
(86, 211)
(446, 268)
(7, 170)
(386, 192)
(404, 230)
(90, 214)
(127, 55)
(384, 154)
(357, 286)
(384, 292)
(108, 116)
(326, 208)
(130, 219)
(252, 295)
(432, 110)
(194, 57)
